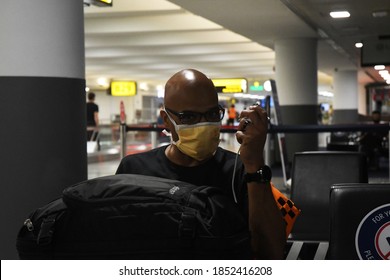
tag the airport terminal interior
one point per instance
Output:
(243, 83)
(348, 87)
(320, 69)
(105, 161)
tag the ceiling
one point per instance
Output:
(148, 41)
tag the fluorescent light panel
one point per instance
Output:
(379, 67)
(340, 14)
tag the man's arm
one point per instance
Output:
(266, 224)
(96, 117)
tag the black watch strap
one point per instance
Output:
(263, 175)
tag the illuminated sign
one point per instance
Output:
(256, 87)
(102, 3)
(123, 88)
(231, 85)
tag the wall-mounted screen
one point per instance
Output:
(123, 88)
(375, 52)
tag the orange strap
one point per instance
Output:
(289, 211)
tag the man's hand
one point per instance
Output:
(266, 224)
(252, 134)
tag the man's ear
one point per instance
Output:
(165, 119)
(168, 124)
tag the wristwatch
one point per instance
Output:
(263, 175)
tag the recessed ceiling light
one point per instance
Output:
(384, 74)
(103, 82)
(359, 45)
(340, 14)
(379, 14)
(267, 85)
(379, 67)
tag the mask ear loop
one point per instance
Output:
(166, 133)
(234, 175)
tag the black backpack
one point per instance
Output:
(136, 217)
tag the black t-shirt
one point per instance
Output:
(217, 171)
(91, 109)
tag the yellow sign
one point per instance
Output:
(123, 88)
(103, 2)
(231, 85)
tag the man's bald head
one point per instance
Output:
(190, 89)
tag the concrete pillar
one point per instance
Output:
(296, 81)
(42, 108)
(345, 101)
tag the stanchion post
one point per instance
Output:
(267, 151)
(123, 137)
(154, 136)
(123, 132)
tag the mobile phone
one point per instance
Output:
(268, 105)
(265, 104)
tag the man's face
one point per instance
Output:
(191, 102)
(188, 90)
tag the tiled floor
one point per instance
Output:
(103, 168)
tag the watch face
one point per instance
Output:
(263, 175)
(266, 173)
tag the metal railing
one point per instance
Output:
(278, 128)
(273, 129)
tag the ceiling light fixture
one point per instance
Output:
(144, 86)
(160, 91)
(103, 82)
(340, 14)
(326, 93)
(379, 14)
(385, 75)
(379, 67)
(267, 85)
(359, 45)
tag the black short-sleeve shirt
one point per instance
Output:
(217, 171)
(91, 109)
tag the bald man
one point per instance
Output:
(193, 116)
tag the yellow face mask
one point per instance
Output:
(199, 141)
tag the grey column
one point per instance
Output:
(345, 100)
(296, 81)
(42, 108)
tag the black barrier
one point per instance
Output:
(273, 129)
(283, 128)
(328, 128)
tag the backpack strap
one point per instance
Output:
(187, 227)
(45, 235)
